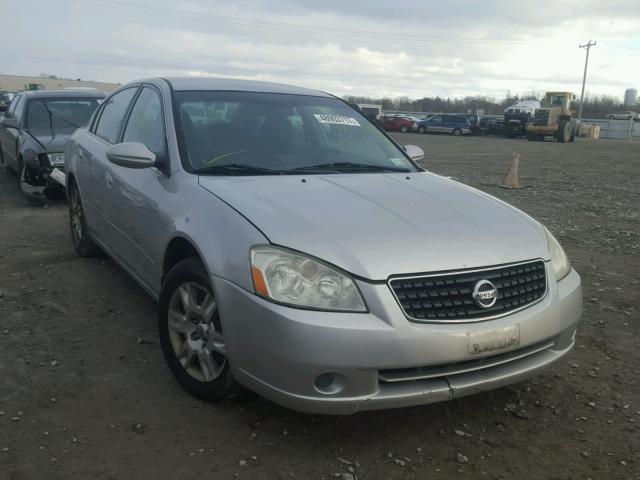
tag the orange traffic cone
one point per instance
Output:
(511, 178)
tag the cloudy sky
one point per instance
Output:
(375, 48)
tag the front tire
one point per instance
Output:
(457, 132)
(7, 167)
(191, 334)
(422, 129)
(82, 241)
(404, 129)
(564, 132)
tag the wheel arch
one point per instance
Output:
(179, 248)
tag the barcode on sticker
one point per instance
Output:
(337, 120)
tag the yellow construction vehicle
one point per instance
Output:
(553, 119)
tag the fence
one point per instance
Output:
(615, 129)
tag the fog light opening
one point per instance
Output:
(329, 383)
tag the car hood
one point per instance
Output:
(378, 225)
(51, 142)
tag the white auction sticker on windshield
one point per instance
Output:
(337, 120)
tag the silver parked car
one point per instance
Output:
(298, 251)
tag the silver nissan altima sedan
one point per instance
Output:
(296, 250)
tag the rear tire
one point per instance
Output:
(532, 137)
(422, 129)
(191, 334)
(610, 117)
(457, 132)
(82, 241)
(404, 129)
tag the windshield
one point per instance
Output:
(60, 114)
(246, 133)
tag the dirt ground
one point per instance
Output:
(85, 393)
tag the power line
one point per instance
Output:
(215, 18)
(626, 47)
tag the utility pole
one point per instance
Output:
(584, 77)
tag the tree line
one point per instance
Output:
(597, 106)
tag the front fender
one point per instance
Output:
(29, 156)
(220, 234)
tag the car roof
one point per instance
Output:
(62, 93)
(230, 84)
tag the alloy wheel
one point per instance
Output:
(195, 332)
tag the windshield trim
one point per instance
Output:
(182, 149)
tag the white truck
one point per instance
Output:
(518, 115)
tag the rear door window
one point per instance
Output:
(112, 117)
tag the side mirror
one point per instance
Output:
(415, 153)
(131, 155)
(9, 122)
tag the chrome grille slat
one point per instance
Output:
(447, 297)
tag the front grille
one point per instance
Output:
(449, 296)
(541, 117)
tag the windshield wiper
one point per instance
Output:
(68, 121)
(51, 115)
(44, 104)
(352, 167)
(236, 169)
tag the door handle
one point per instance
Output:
(109, 179)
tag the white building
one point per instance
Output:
(15, 83)
(630, 97)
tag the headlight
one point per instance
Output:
(559, 260)
(296, 280)
(56, 159)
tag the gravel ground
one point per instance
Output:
(85, 393)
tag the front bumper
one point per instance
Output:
(36, 181)
(542, 130)
(279, 352)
